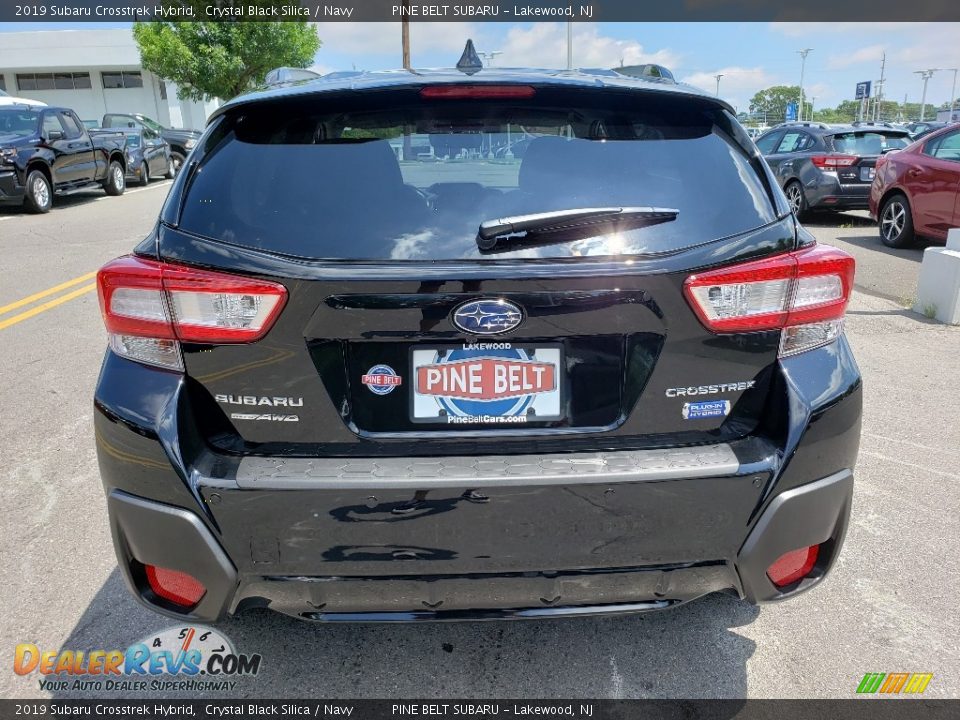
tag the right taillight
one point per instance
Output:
(149, 307)
(803, 293)
(832, 162)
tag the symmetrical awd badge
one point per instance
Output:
(487, 317)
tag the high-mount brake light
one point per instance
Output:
(149, 307)
(803, 293)
(832, 162)
(477, 92)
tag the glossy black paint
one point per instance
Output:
(69, 162)
(150, 447)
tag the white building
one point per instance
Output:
(94, 72)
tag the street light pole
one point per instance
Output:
(569, 45)
(803, 63)
(926, 75)
(720, 75)
(953, 93)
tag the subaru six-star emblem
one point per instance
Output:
(487, 317)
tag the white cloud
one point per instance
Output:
(871, 54)
(737, 85)
(375, 38)
(545, 45)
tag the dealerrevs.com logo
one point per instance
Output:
(190, 657)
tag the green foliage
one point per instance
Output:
(772, 102)
(223, 59)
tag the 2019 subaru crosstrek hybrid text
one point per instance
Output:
(353, 378)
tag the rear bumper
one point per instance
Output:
(390, 539)
(832, 195)
(158, 534)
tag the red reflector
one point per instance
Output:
(831, 162)
(175, 586)
(792, 566)
(476, 92)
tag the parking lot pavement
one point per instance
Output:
(889, 606)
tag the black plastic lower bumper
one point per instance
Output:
(147, 532)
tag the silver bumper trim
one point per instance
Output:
(488, 470)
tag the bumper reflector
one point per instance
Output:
(177, 587)
(793, 566)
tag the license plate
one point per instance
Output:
(867, 173)
(490, 383)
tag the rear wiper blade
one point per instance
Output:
(573, 221)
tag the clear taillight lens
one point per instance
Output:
(803, 293)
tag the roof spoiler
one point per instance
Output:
(286, 75)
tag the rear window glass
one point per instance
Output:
(393, 179)
(868, 143)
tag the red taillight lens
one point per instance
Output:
(178, 587)
(793, 566)
(804, 293)
(477, 92)
(148, 305)
(832, 162)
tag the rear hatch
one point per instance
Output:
(861, 149)
(401, 336)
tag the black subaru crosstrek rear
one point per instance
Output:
(424, 345)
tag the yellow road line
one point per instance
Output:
(43, 293)
(27, 314)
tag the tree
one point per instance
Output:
(222, 59)
(773, 102)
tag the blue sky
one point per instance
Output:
(750, 56)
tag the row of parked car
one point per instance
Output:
(48, 151)
(910, 182)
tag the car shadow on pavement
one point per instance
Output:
(838, 220)
(691, 651)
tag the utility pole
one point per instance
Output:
(883, 67)
(718, 83)
(926, 75)
(405, 41)
(803, 63)
(569, 45)
(953, 93)
(405, 33)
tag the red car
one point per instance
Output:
(916, 191)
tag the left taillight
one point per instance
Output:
(149, 307)
(804, 294)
